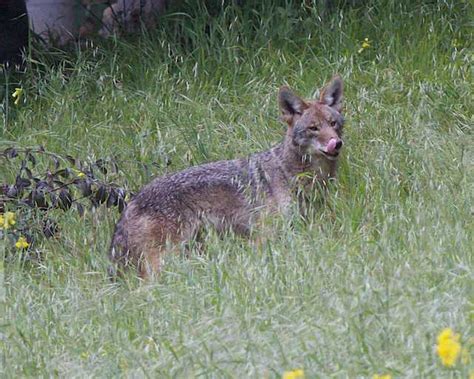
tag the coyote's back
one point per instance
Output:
(229, 195)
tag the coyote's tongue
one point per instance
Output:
(331, 146)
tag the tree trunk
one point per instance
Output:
(13, 31)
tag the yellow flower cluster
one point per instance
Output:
(365, 45)
(7, 220)
(22, 243)
(79, 173)
(448, 347)
(17, 95)
(295, 374)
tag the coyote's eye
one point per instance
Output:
(333, 123)
(313, 128)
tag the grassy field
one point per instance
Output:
(361, 288)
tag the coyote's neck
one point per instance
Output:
(295, 162)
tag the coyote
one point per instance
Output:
(229, 195)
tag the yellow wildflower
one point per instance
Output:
(17, 95)
(79, 173)
(448, 347)
(295, 374)
(7, 220)
(365, 45)
(387, 376)
(22, 243)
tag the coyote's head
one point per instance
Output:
(315, 126)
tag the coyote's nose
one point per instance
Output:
(333, 145)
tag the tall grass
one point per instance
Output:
(363, 287)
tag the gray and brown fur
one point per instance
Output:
(230, 195)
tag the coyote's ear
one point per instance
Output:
(290, 104)
(332, 94)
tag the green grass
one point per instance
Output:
(363, 287)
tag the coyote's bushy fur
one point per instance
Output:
(229, 195)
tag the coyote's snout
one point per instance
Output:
(229, 195)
